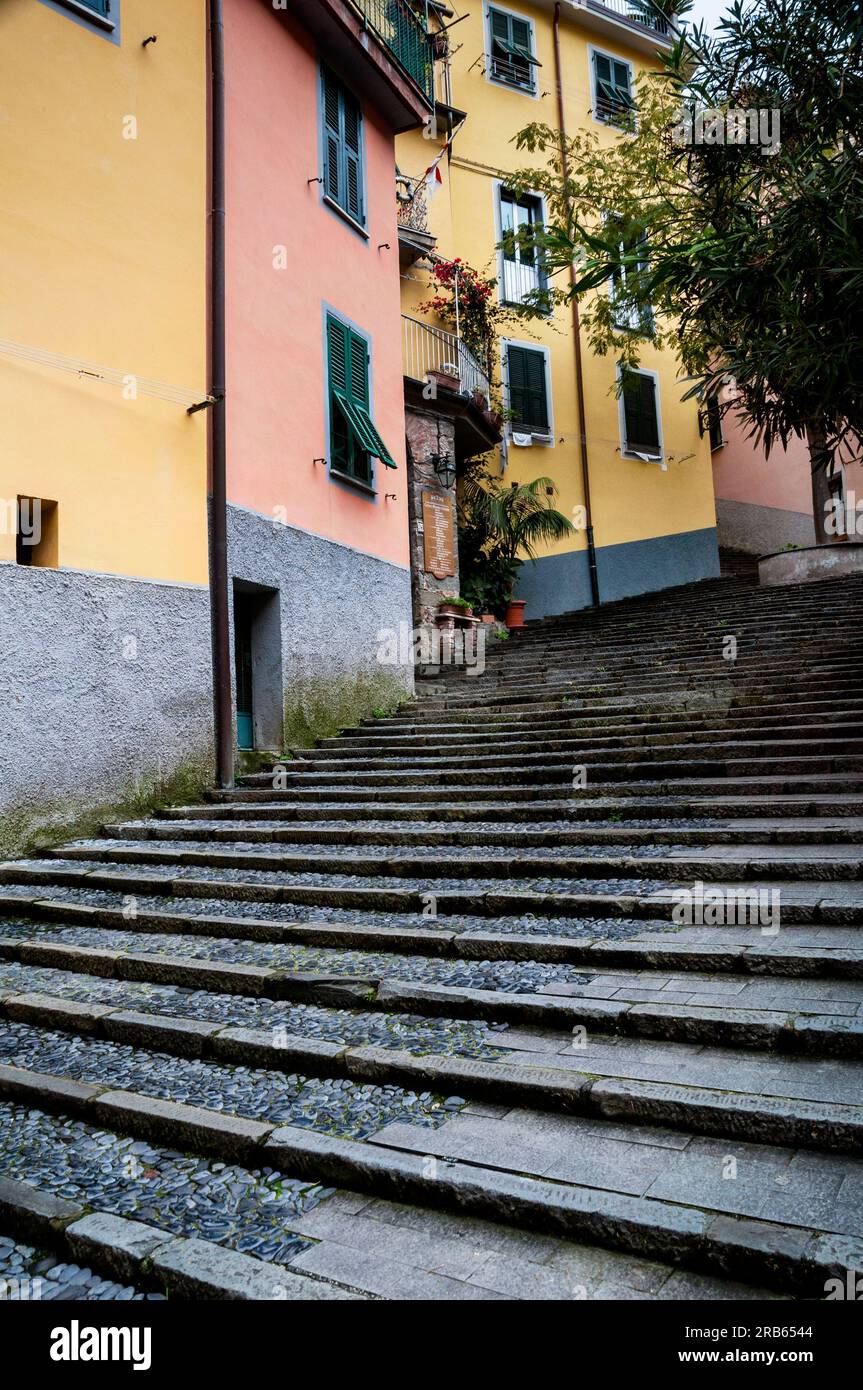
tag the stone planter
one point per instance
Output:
(831, 561)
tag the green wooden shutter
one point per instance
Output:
(354, 434)
(528, 399)
(352, 125)
(640, 413)
(332, 118)
(519, 32)
(359, 370)
(102, 7)
(499, 26)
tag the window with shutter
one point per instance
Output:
(103, 13)
(528, 397)
(640, 414)
(623, 280)
(613, 90)
(512, 59)
(342, 122)
(354, 438)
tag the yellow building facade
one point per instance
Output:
(104, 616)
(653, 516)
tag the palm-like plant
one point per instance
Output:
(514, 519)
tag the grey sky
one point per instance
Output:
(709, 11)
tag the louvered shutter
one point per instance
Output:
(527, 394)
(353, 200)
(332, 117)
(640, 413)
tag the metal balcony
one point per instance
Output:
(429, 349)
(402, 26)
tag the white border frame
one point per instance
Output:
(505, 345)
(625, 453)
(487, 53)
(593, 48)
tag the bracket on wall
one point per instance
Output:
(318, 460)
(316, 179)
(204, 404)
(151, 39)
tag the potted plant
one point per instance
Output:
(455, 608)
(500, 523)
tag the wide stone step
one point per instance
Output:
(256, 807)
(806, 1015)
(824, 830)
(741, 943)
(744, 862)
(177, 1058)
(582, 1177)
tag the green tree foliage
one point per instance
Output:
(746, 258)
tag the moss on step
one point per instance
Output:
(317, 707)
(39, 825)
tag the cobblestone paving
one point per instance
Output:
(247, 1209)
(337, 1106)
(32, 1276)
(527, 923)
(450, 1036)
(440, 884)
(520, 977)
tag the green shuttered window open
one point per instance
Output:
(613, 84)
(528, 397)
(343, 147)
(512, 57)
(354, 437)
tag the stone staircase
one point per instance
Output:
(548, 986)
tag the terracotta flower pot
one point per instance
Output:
(487, 617)
(515, 612)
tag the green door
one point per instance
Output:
(243, 660)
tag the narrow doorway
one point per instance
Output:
(243, 622)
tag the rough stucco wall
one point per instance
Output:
(105, 691)
(334, 600)
(758, 530)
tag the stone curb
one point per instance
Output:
(832, 1127)
(134, 1252)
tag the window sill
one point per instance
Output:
(99, 21)
(511, 86)
(345, 216)
(367, 489)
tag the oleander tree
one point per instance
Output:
(745, 258)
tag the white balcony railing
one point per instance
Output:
(647, 18)
(429, 349)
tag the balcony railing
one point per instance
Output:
(412, 203)
(429, 349)
(646, 18)
(398, 25)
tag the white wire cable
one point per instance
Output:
(124, 381)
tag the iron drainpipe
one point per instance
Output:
(221, 631)
(576, 328)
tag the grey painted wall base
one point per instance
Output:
(105, 691)
(333, 601)
(561, 583)
(757, 530)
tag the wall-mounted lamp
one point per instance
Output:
(444, 468)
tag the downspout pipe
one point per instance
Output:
(217, 447)
(576, 329)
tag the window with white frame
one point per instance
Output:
(527, 391)
(613, 101)
(640, 419)
(630, 266)
(511, 58)
(522, 266)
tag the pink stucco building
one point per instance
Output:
(317, 490)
